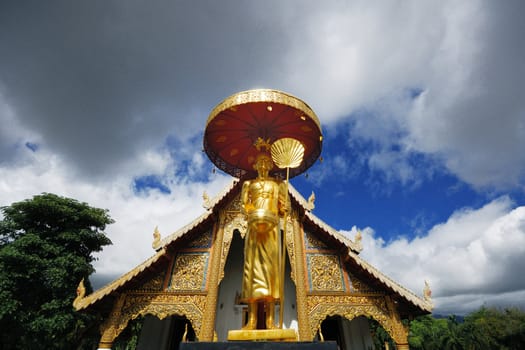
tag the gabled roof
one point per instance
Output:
(213, 206)
(116, 284)
(161, 251)
(391, 284)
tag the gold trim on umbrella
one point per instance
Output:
(263, 95)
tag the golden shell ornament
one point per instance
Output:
(287, 153)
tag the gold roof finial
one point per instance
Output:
(81, 292)
(156, 238)
(310, 205)
(206, 200)
(358, 241)
(427, 292)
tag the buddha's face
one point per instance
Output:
(263, 165)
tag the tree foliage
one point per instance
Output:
(46, 246)
(486, 328)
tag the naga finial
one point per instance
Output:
(358, 240)
(156, 238)
(310, 205)
(81, 293)
(207, 202)
(427, 292)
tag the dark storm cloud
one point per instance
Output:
(101, 80)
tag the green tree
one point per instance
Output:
(427, 333)
(379, 335)
(497, 329)
(46, 246)
(452, 338)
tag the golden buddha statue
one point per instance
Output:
(263, 200)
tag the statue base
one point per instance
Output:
(258, 345)
(277, 334)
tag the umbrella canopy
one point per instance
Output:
(236, 123)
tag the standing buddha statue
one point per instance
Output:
(264, 200)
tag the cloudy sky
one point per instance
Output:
(422, 105)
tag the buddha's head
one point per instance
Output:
(263, 164)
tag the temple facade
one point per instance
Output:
(189, 289)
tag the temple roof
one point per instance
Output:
(213, 206)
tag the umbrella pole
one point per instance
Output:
(283, 254)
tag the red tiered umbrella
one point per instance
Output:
(236, 123)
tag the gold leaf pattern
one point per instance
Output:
(325, 272)
(189, 272)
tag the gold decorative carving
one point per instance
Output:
(202, 241)
(325, 272)
(350, 307)
(189, 272)
(113, 325)
(358, 286)
(233, 222)
(233, 207)
(290, 242)
(155, 283)
(301, 285)
(399, 330)
(312, 242)
(161, 305)
(215, 270)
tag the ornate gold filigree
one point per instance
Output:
(290, 242)
(325, 272)
(380, 308)
(129, 306)
(189, 271)
(312, 242)
(264, 95)
(350, 307)
(358, 286)
(208, 329)
(202, 241)
(301, 285)
(399, 330)
(155, 283)
(113, 325)
(233, 222)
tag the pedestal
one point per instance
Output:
(274, 335)
(255, 345)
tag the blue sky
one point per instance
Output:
(421, 105)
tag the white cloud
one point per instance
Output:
(135, 216)
(152, 79)
(467, 58)
(475, 257)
